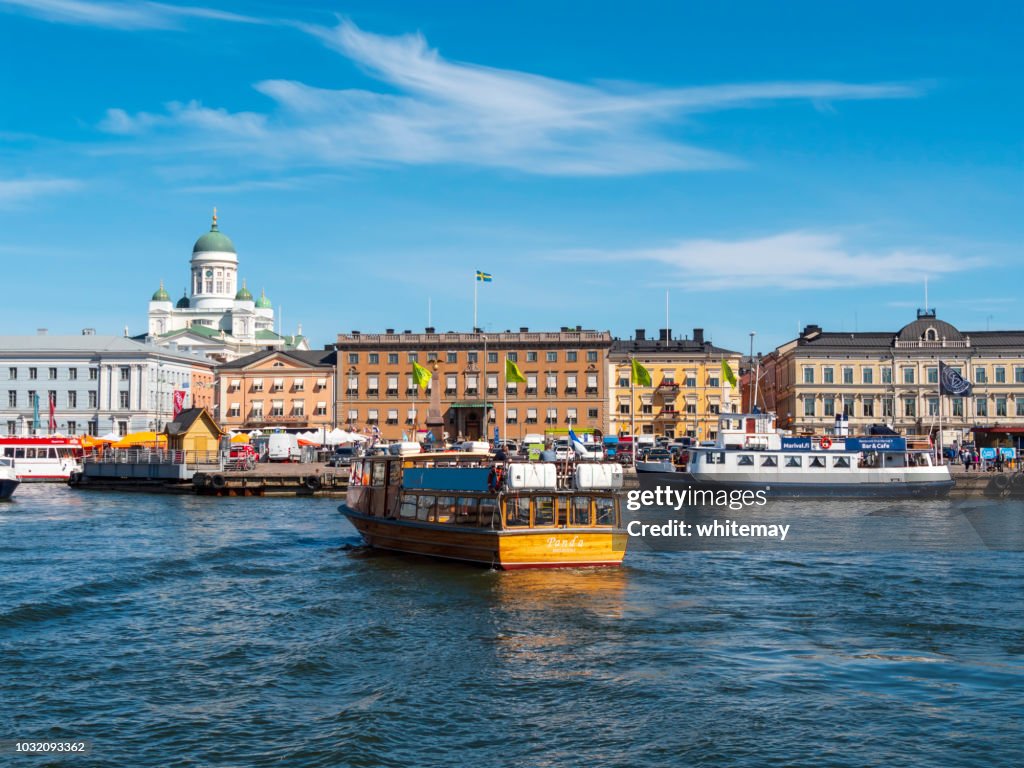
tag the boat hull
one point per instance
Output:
(504, 549)
(797, 488)
(7, 488)
(654, 466)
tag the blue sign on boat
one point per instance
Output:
(796, 443)
(876, 443)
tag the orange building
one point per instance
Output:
(288, 389)
(565, 370)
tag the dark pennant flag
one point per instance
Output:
(951, 382)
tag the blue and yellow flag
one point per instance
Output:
(483, 277)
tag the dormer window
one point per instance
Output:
(931, 335)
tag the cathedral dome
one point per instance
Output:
(183, 302)
(263, 302)
(243, 293)
(160, 294)
(214, 240)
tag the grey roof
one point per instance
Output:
(916, 330)
(86, 344)
(314, 357)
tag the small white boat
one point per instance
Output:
(9, 481)
(751, 454)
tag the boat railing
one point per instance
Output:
(155, 456)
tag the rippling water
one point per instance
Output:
(186, 631)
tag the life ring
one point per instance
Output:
(1002, 482)
(825, 443)
(312, 482)
(199, 479)
(218, 481)
(1018, 480)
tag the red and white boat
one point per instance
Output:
(43, 458)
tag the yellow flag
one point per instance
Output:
(512, 372)
(640, 375)
(421, 375)
(727, 373)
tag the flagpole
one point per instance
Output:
(475, 281)
(939, 387)
(504, 408)
(632, 408)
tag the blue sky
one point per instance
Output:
(770, 165)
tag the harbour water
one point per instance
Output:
(255, 632)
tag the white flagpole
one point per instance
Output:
(475, 281)
(939, 377)
(632, 409)
(504, 408)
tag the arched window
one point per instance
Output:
(931, 335)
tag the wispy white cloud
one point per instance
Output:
(800, 260)
(118, 15)
(444, 112)
(15, 192)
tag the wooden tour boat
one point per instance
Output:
(503, 515)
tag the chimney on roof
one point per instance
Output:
(665, 334)
(810, 331)
(523, 329)
(698, 336)
(640, 335)
(579, 327)
(390, 330)
(40, 331)
(429, 329)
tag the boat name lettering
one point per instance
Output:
(796, 443)
(556, 542)
(876, 444)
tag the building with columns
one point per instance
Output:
(99, 384)
(891, 377)
(216, 315)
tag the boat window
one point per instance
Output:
(394, 472)
(408, 508)
(605, 510)
(53, 453)
(489, 515)
(465, 511)
(817, 462)
(19, 453)
(794, 461)
(769, 461)
(580, 511)
(841, 461)
(694, 458)
(9, 453)
(517, 511)
(424, 507)
(445, 511)
(745, 461)
(377, 476)
(543, 511)
(30, 453)
(716, 457)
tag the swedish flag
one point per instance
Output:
(483, 277)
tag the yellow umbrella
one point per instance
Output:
(137, 439)
(240, 438)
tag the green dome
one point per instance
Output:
(160, 294)
(263, 302)
(243, 293)
(183, 301)
(214, 240)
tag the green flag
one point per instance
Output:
(727, 373)
(421, 375)
(512, 372)
(640, 375)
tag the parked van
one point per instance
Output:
(283, 447)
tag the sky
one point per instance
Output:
(768, 165)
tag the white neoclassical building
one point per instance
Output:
(216, 316)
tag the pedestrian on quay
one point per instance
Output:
(965, 458)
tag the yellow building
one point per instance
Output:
(194, 430)
(892, 377)
(687, 391)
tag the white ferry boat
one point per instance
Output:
(9, 481)
(751, 454)
(43, 458)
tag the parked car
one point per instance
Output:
(342, 456)
(561, 449)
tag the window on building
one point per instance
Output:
(299, 385)
(1000, 406)
(353, 358)
(392, 358)
(392, 385)
(124, 399)
(623, 382)
(867, 375)
(126, 373)
(714, 381)
(492, 383)
(492, 357)
(53, 373)
(353, 386)
(933, 406)
(72, 399)
(72, 427)
(321, 409)
(868, 407)
(848, 407)
(353, 416)
(646, 408)
(1000, 375)
(122, 428)
(808, 375)
(451, 384)
(570, 356)
(592, 356)
(551, 387)
(531, 357)
(298, 407)
(12, 398)
(624, 409)
(691, 381)
(908, 375)
(808, 406)
(571, 416)
(512, 416)
(591, 383)
(12, 373)
(513, 356)
(235, 410)
(909, 407)
(431, 357)
(451, 357)
(932, 372)
(551, 357)
(981, 406)
(94, 398)
(1018, 375)
(847, 375)
(392, 416)
(592, 413)
(472, 384)
(830, 406)
(371, 416)
(980, 376)
(552, 417)
(828, 375)
(958, 406)
(886, 375)
(531, 384)
(277, 407)
(570, 384)
(12, 427)
(531, 415)
(713, 408)
(1020, 405)
(472, 357)
(94, 373)
(372, 386)
(33, 373)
